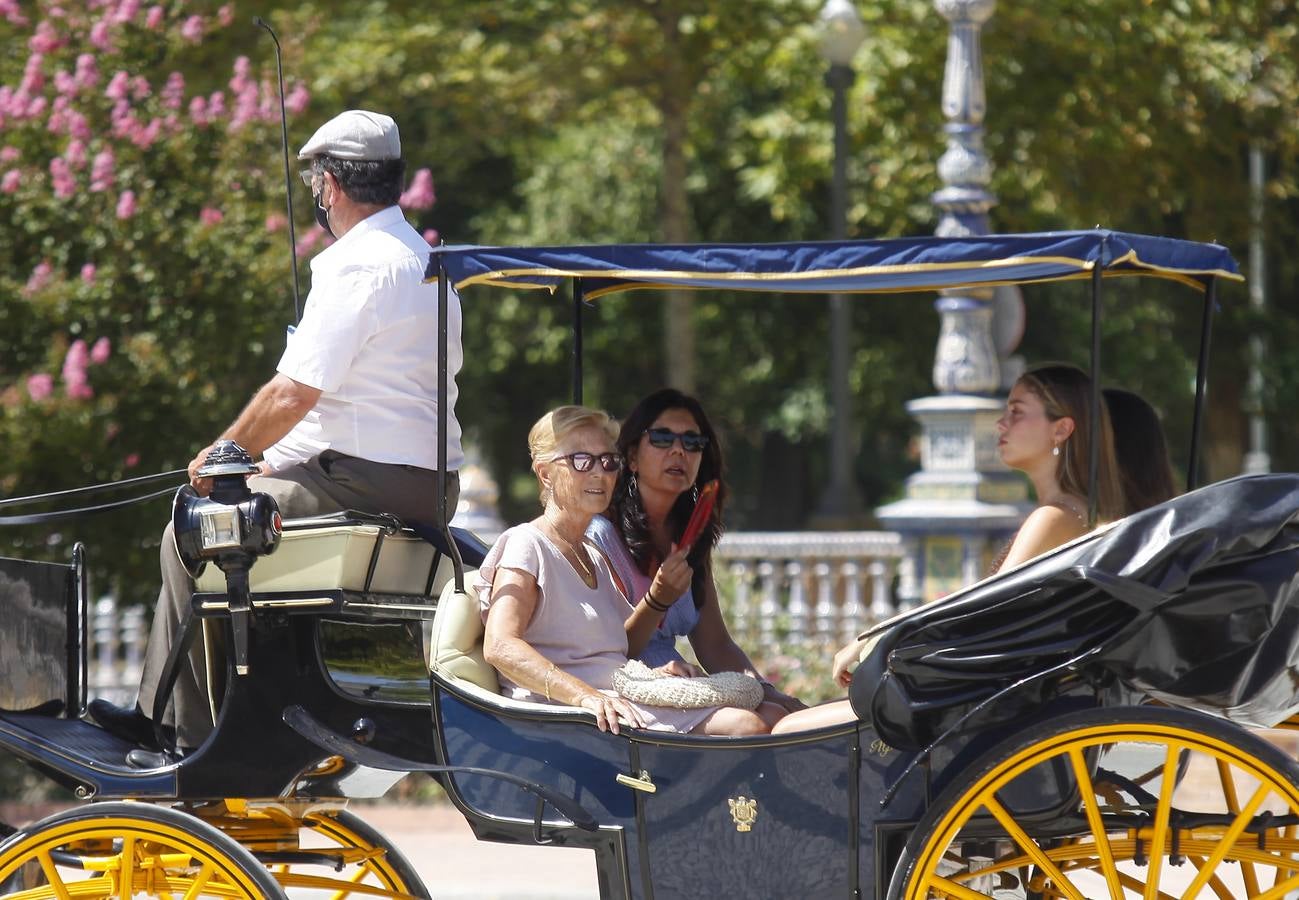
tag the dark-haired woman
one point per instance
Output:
(1142, 450)
(671, 452)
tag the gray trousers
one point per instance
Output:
(329, 483)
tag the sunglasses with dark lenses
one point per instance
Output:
(691, 441)
(582, 462)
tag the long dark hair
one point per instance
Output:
(626, 510)
(1142, 451)
(1066, 391)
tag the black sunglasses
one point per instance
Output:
(663, 438)
(582, 462)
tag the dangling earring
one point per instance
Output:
(694, 493)
(1055, 451)
(631, 484)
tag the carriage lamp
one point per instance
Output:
(231, 527)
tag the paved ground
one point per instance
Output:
(453, 864)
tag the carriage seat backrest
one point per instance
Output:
(456, 641)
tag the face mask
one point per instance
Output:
(322, 214)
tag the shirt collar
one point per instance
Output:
(380, 221)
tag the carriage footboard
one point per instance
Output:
(331, 741)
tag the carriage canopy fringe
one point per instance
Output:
(1194, 602)
(880, 266)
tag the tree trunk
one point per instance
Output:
(674, 208)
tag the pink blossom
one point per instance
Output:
(40, 386)
(99, 35)
(297, 100)
(36, 108)
(64, 82)
(101, 170)
(192, 29)
(198, 111)
(61, 178)
(118, 86)
(9, 153)
(132, 460)
(40, 277)
(226, 15)
(309, 241)
(243, 68)
(87, 71)
(33, 76)
(46, 39)
(100, 351)
(78, 125)
(276, 222)
(9, 183)
(75, 361)
(126, 205)
(210, 216)
(420, 194)
(88, 276)
(216, 106)
(127, 10)
(140, 88)
(76, 154)
(10, 10)
(154, 18)
(79, 390)
(174, 92)
(431, 235)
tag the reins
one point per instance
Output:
(87, 490)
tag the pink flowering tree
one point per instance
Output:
(144, 287)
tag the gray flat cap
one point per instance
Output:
(355, 134)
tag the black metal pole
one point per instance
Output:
(1094, 444)
(1201, 381)
(457, 565)
(577, 340)
(288, 178)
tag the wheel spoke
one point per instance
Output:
(200, 881)
(1227, 841)
(1088, 796)
(1030, 847)
(956, 889)
(1220, 890)
(52, 876)
(1162, 814)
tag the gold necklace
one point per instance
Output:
(581, 562)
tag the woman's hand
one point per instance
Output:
(672, 578)
(608, 709)
(773, 694)
(845, 661)
(679, 668)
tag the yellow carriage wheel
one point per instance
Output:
(1132, 802)
(121, 850)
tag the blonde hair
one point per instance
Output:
(550, 430)
(1066, 391)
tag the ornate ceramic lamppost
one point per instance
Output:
(964, 501)
(841, 33)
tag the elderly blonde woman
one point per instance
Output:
(557, 624)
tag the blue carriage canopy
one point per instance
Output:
(891, 265)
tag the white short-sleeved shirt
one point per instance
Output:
(368, 342)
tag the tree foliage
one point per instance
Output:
(548, 122)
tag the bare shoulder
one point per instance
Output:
(1046, 528)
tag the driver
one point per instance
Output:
(349, 421)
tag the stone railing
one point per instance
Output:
(807, 587)
(116, 653)
(810, 588)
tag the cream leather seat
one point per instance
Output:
(455, 654)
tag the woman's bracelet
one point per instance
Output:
(657, 607)
(549, 672)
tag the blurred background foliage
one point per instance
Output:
(556, 121)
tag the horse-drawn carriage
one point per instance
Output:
(1065, 729)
